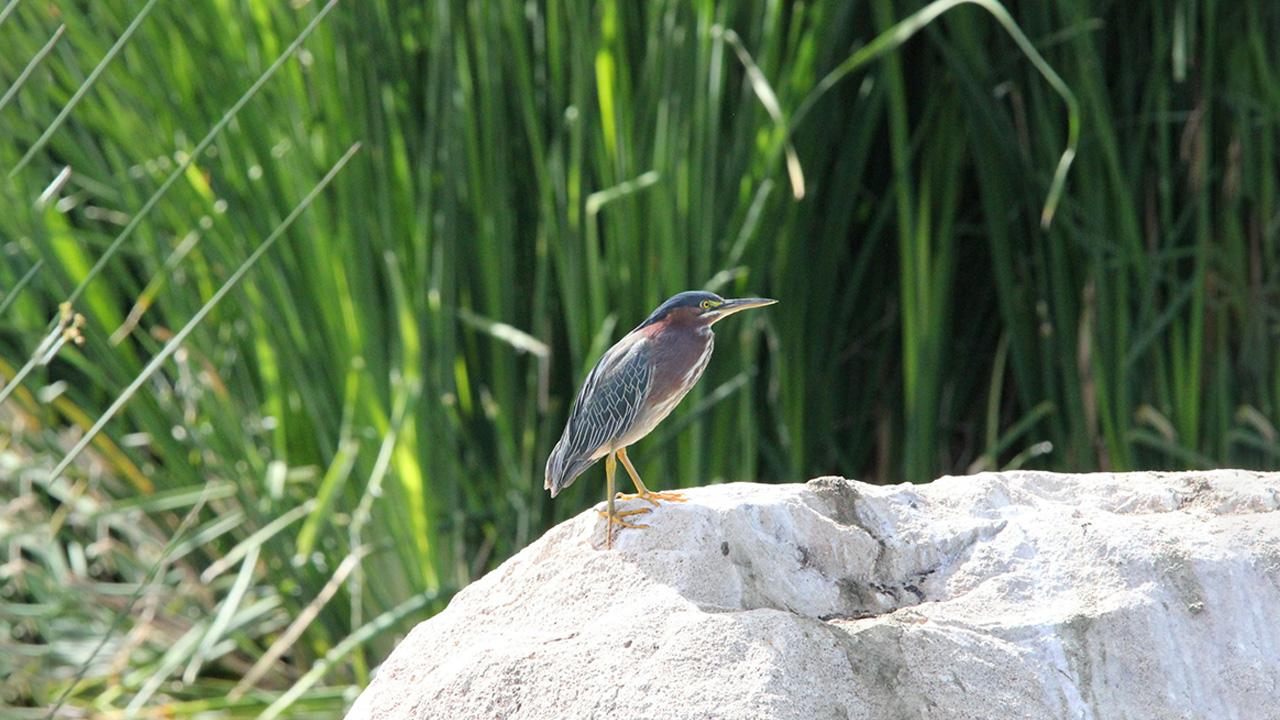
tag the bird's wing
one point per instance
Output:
(610, 399)
(606, 407)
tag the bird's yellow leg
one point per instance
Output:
(643, 492)
(615, 517)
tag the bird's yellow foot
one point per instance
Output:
(654, 497)
(615, 518)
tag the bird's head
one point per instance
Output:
(700, 308)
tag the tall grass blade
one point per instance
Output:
(172, 346)
(84, 88)
(31, 66)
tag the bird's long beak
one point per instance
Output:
(732, 306)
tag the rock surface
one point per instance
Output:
(1010, 595)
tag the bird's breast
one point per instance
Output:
(678, 363)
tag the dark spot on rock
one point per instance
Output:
(840, 497)
(1196, 490)
(724, 548)
(1176, 571)
(846, 616)
(804, 555)
(876, 656)
(626, 644)
(857, 595)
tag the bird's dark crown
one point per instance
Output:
(689, 300)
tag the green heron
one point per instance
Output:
(636, 384)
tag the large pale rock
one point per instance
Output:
(1012, 595)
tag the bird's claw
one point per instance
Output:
(654, 497)
(615, 518)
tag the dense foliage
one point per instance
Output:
(340, 267)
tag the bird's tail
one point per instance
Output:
(563, 467)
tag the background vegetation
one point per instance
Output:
(341, 266)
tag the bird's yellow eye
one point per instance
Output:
(706, 304)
